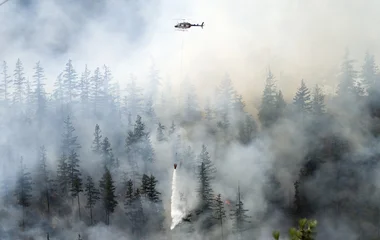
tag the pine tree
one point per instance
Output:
(247, 130)
(149, 109)
(107, 78)
(107, 190)
(369, 73)
(280, 105)
(39, 91)
(69, 140)
(160, 132)
(347, 81)
(70, 84)
(238, 103)
(85, 83)
(302, 99)
(239, 216)
(63, 178)
(19, 83)
(189, 160)
(74, 176)
(209, 115)
(92, 194)
(144, 185)
(267, 111)
(151, 191)
(318, 102)
(115, 97)
(43, 176)
(128, 196)
(225, 96)
(29, 99)
(5, 83)
(58, 93)
(206, 174)
(218, 211)
(76, 189)
(107, 155)
(23, 190)
(97, 142)
(96, 90)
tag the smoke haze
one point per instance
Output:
(241, 40)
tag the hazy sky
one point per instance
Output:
(298, 39)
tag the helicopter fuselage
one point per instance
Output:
(187, 25)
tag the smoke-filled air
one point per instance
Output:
(189, 119)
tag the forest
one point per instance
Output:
(89, 160)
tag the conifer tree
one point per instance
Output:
(209, 115)
(5, 83)
(74, 176)
(29, 99)
(97, 142)
(85, 84)
(280, 105)
(58, 92)
(63, 178)
(69, 83)
(19, 83)
(302, 99)
(189, 160)
(23, 190)
(347, 80)
(107, 190)
(92, 194)
(267, 113)
(151, 191)
(43, 177)
(219, 212)
(128, 196)
(369, 73)
(69, 140)
(225, 96)
(107, 78)
(39, 91)
(318, 102)
(247, 130)
(205, 176)
(149, 109)
(160, 132)
(239, 216)
(144, 185)
(107, 155)
(96, 90)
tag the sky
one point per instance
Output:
(296, 39)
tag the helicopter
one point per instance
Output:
(187, 25)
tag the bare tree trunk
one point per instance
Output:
(91, 215)
(79, 206)
(221, 226)
(48, 201)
